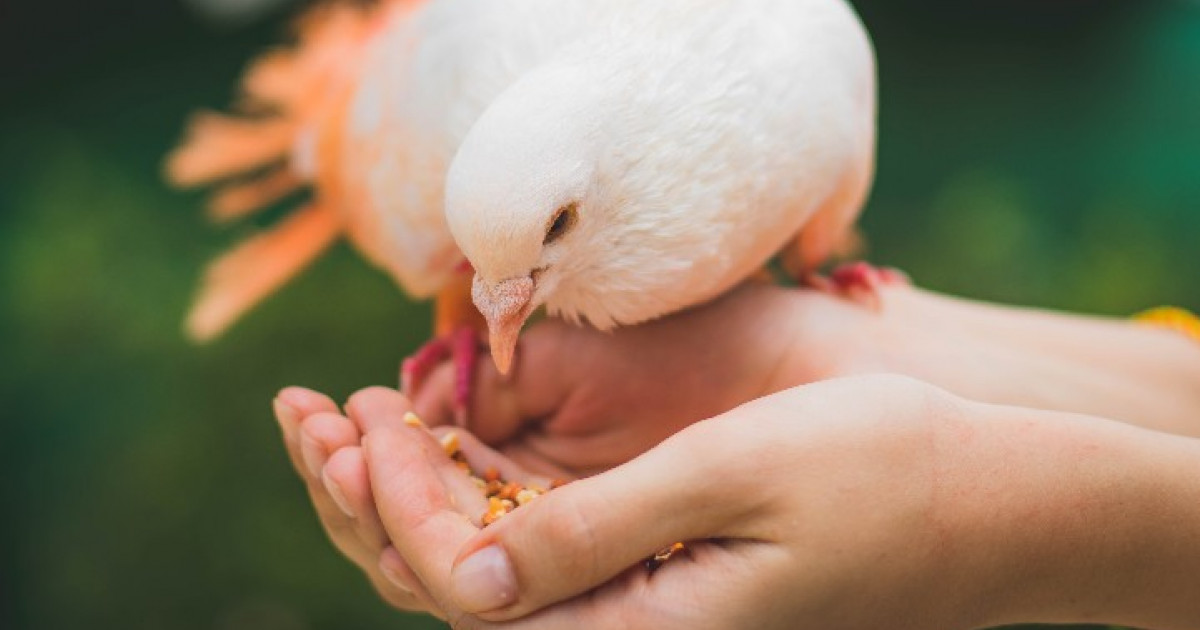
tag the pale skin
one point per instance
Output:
(881, 490)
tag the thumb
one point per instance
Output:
(582, 535)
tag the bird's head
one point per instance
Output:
(523, 203)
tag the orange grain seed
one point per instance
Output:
(450, 443)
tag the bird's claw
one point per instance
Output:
(462, 348)
(858, 282)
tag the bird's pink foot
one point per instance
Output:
(858, 281)
(462, 348)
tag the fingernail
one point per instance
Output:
(312, 453)
(390, 573)
(335, 491)
(484, 581)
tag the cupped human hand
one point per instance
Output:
(580, 401)
(871, 501)
(861, 502)
(816, 507)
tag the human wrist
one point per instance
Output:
(1118, 369)
(818, 337)
(1070, 519)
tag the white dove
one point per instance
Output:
(611, 160)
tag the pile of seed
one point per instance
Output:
(505, 496)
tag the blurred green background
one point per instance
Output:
(1043, 152)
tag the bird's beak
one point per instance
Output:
(505, 305)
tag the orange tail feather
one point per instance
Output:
(217, 147)
(241, 277)
(238, 200)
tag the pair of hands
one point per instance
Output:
(797, 508)
(769, 487)
(839, 504)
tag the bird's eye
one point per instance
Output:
(562, 222)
